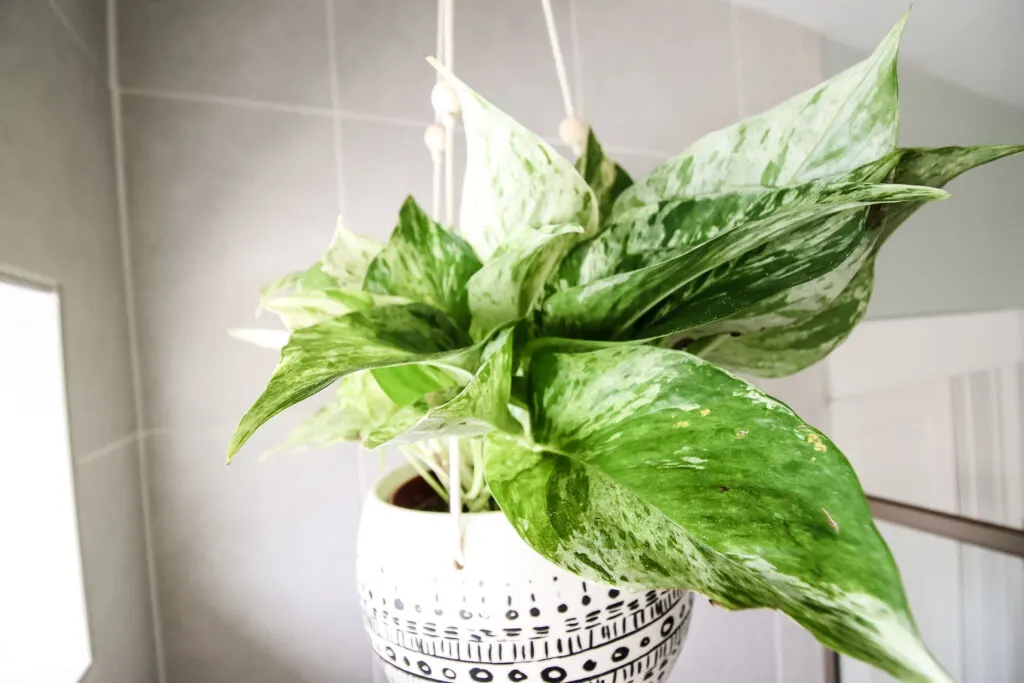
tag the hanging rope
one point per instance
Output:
(572, 131)
(440, 140)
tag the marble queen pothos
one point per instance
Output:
(582, 332)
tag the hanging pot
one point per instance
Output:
(508, 614)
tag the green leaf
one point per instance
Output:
(478, 408)
(348, 257)
(424, 262)
(309, 307)
(606, 178)
(405, 384)
(609, 307)
(655, 469)
(934, 167)
(660, 231)
(785, 350)
(510, 284)
(794, 329)
(317, 356)
(358, 407)
(513, 178)
(845, 122)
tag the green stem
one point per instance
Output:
(422, 470)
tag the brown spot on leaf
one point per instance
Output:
(723, 489)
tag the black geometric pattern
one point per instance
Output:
(591, 634)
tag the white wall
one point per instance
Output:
(59, 226)
(962, 254)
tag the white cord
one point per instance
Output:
(446, 53)
(556, 53)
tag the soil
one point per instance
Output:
(416, 494)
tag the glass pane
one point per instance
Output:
(43, 630)
(969, 605)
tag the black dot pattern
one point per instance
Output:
(553, 674)
(643, 652)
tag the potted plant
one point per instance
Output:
(576, 345)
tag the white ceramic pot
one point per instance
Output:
(508, 615)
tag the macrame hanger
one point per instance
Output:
(572, 130)
(440, 140)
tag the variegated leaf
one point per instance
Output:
(309, 307)
(781, 351)
(660, 231)
(424, 262)
(845, 122)
(315, 357)
(794, 329)
(608, 308)
(348, 256)
(479, 407)
(606, 178)
(513, 178)
(654, 469)
(358, 407)
(513, 280)
(405, 384)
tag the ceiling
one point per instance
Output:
(978, 44)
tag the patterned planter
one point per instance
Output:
(508, 615)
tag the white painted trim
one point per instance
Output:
(114, 83)
(906, 350)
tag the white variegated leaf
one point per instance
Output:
(348, 256)
(606, 178)
(513, 178)
(796, 328)
(609, 308)
(423, 261)
(651, 468)
(317, 356)
(510, 284)
(473, 410)
(846, 122)
(358, 407)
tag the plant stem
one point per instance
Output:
(429, 477)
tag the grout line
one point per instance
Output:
(75, 37)
(133, 334)
(577, 60)
(104, 451)
(737, 62)
(229, 101)
(325, 112)
(332, 61)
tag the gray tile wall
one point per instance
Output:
(240, 151)
(59, 224)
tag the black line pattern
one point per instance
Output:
(617, 638)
